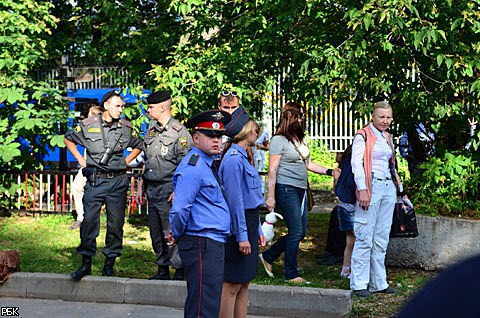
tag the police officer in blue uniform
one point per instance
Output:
(105, 137)
(243, 191)
(166, 143)
(200, 217)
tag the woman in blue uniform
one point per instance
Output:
(243, 192)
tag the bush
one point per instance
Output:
(321, 155)
(448, 186)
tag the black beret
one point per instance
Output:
(158, 97)
(239, 120)
(109, 95)
(211, 122)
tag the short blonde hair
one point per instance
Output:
(382, 105)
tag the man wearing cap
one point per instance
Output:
(200, 218)
(105, 137)
(167, 141)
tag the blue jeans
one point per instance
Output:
(293, 205)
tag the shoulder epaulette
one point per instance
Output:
(194, 159)
(151, 132)
(90, 120)
(177, 126)
(127, 123)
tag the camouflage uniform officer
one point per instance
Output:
(105, 137)
(166, 143)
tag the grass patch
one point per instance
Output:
(46, 245)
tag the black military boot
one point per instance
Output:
(162, 274)
(84, 270)
(108, 266)
(179, 274)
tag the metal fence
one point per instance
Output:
(49, 192)
(334, 125)
(83, 77)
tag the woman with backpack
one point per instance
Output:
(373, 166)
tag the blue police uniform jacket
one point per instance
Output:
(242, 187)
(199, 207)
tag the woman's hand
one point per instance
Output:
(82, 163)
(261, 241)
(270, 203)
(363, 200)
(245, 248)
(336, 173)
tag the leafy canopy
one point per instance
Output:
(423, 56)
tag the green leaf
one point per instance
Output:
(367, 21)
(57, 140)
(448, 62)
(9, 152)
(475, 86)
(220, 78)
(440, 58)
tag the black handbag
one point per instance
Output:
(404, 221)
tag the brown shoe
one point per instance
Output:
(267, 266)
(298, 281)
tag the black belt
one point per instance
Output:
(386, 179)
(109, 175)
(155, 183)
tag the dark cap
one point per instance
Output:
(239, 120)
(109, 95)
(211, 122)
(158, 97)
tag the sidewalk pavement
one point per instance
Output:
(55, 308)
(323, 207)
(56, 295)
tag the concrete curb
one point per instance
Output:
(272, 301)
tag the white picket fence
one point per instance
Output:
(84, 77)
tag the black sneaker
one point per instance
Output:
(162, 274)
(362, 293)
(388, 290)
(179, 274)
